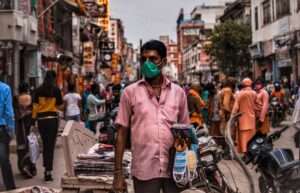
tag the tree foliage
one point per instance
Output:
(229, 47)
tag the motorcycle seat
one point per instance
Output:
(289, 165)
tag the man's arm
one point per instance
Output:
(235, 108)
(122, 134)
(265, 107)
(226, 101)
(9, 113)
(183, 110)
(122, 121)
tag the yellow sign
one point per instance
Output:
(88, 57)
(104, 21)
(114, 62)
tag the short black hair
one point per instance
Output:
(23, 87)
(95, 89)
(259, 81)
(156, 45)
(71, 87)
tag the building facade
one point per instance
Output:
(238, 11)
(188, 31)
(276, 38)
(171, 70)
(116, 34)
(192, 36)
(18, 42)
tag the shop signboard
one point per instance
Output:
(191, 32)
(88, 57)
(283, 57)
(76, 34)
(284, 25)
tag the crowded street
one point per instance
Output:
(172, 96)
(59, 164)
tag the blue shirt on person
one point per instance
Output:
(6, 109)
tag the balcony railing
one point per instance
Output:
(7, 4)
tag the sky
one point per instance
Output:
(148, 19)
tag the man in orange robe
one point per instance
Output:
(245, 104)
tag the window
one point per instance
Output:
(266, 12)
(282, 8)
(256, 18)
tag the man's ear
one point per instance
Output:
(164, 61)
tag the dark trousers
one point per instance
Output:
(155, 186)
(6, 169)
(48, 129)
(93, 126)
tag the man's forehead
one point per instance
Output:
(150, 53)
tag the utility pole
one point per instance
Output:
(141, 61)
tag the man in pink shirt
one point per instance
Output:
(245, 103)
(149, 108)
(262, 106)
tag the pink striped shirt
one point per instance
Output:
(150, 121)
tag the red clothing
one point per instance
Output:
(150, 121)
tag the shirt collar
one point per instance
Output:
(166, 82)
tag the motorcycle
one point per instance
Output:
(210, 154)
(279, 171)
(276, 112)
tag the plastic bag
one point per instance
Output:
(34, 148)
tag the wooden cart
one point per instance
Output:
(77, 140)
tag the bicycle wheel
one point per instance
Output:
(220, 181)
(211, 189)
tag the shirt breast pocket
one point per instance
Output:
(171, 113)
(140, 108)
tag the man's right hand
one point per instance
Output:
(119, 184)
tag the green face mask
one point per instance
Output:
(150, 70)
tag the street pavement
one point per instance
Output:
(286, 141)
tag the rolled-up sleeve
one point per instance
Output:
(183, 110)
(125, 110)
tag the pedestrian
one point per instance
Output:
(226, 102)
(85, 108)
(278, 93)
(7, 130)
(262, 107)
(47, 101)
(245, 104)
(195, 105)
(214, 112)
(108, 97)
(149, 107)
(205, 98)
(23, 111)
(72, 101)
(93, 103)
